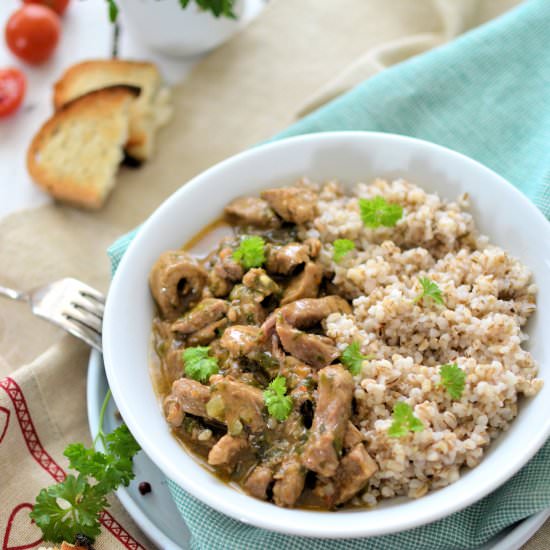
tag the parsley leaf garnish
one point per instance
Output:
(378, 212)
(278, 404)
(453, 379)
(251, 252)
(430, 292)
(218, 8)
(110, 469)
(198, 364)
(341, 248)
(353, 359)
(68, 508)
(72, 507)
(404, 421)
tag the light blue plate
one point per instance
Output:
(157, 515)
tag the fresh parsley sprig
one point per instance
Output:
(352, 358)
(218, 8)
(198, 364)
(72, 507)
(341, 248)
(453, 379)
(277, 402)
(430, 292)
(378, 212)
(251, 252)
(404, 421)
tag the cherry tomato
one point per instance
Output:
(12, 90)
(32, 33)
(59, 6)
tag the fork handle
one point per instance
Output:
(14, 294)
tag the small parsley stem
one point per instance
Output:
(103, 410)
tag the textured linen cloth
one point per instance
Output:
(462, 96)
(247, 90)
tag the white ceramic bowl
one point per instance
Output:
(167, 28)
(500, 211)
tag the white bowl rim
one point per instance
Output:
(261, 516)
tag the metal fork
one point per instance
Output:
(69, 304)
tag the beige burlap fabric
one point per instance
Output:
(294, 57)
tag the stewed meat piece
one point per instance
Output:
(176, 280)
(284, 259)
(192, 396)
(335, 391)
(258, 482)
(227, 450)
(241, 340)
(208, 333)
(257, 279)
(229, 267)
(219, 285)
(246, 307)
(293, 204)
(304, 285)
(251, 211)
(172, 366)
(310, 311)
(353, 473)
(173, 411)
(224, 273)
(290, 483)
(203, 314)
(352, 437)
(313, 246)
(241, 405)
(313, 349)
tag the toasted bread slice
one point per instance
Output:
(87, 76)
(76, 153)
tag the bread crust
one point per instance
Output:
(119, 72)
(100, 73)
(102, 106)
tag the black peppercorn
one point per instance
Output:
(144, 487)
(83, 540)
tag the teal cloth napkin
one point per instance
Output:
(487, 95)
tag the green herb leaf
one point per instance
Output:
(218, 7)
(278, 404)
(113, 10)
(341, 248)
(198, 365)
(453, 379)
(430, 292)
(73, 506)
(404, 421)
(110, 469)
(379, 212)
(251, 252)
(68, 508)
(353, 359)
